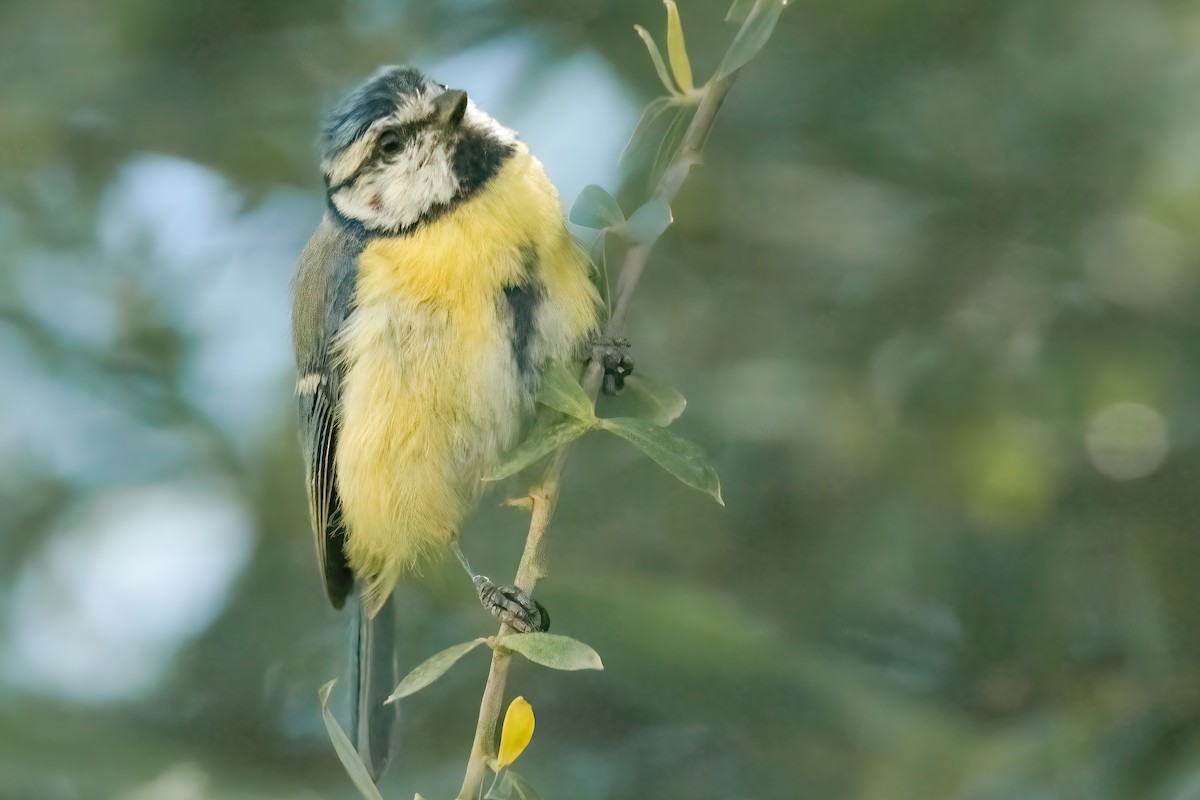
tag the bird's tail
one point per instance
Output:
(373, 678)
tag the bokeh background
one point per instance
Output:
(933, 299)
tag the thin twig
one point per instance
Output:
(544, 495)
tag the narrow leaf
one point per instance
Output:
(676, 455)
(643, 133)
(671, 140)
(561, 391)
(657, 58)
(520, 786)
(553, 650)
(500, 789)
(596, 208)
(516, 731)
(541, 443)
(431, 669)
(751, 37)
(677, 49)
(598, 253)
(346, 751)
(660, 403)
(647, 223)
(739, 10)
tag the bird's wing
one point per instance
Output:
(323, 294)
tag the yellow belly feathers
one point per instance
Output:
(431, 397)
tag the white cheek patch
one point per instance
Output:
(397, 194)
(394, 195)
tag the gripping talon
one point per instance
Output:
(613, 355)
(512, 606)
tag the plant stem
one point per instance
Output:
(544, 495)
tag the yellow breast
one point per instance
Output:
(431, 397)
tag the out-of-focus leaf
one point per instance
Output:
(508, 785)
(596, 208)
(676, 455)
(751, 38)
(739, 10)
(516, 731)
(345, 750)
(656, 57)
(561, 391)
(681, 67)
(553, 650)
(644, 137)
(431, 669)
(662, 404)
(520, 786)
(672, 138)
(500, 788)
(598, 253)
(648, 223)
(541, 443)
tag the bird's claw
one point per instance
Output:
(512, 606)
(613, 355)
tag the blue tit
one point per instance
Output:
(439, 284)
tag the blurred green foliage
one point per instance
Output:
(933, 301)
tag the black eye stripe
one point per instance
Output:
(394, 141)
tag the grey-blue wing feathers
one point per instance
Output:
(323, 299)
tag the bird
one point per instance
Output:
(440, 284)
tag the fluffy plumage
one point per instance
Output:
(440, 283)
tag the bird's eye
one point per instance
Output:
(389, 143)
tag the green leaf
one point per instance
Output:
(647, 223)
(671, 139)
(561, 391)
(596, 208)
(656, 57)
(499, 790)
(676, 455)
(661, 404)
(677, 49)
(541, 443)
(552, 650)
(520, 786)
(739, 10)
(431, 669)
(598, 253)
(751, 37)
(346, 751)
(643, 137)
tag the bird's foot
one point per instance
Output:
(613, 355)
(513, 607)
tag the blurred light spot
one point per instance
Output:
(74, 429)
(220, 274)
(115, 593)
(573, 113)
(1134, 261)
(71, 295)
(184, 781)
(1011, 471)
(1127, 440)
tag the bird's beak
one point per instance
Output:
(449, 107)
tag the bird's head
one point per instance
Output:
(402, 149)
